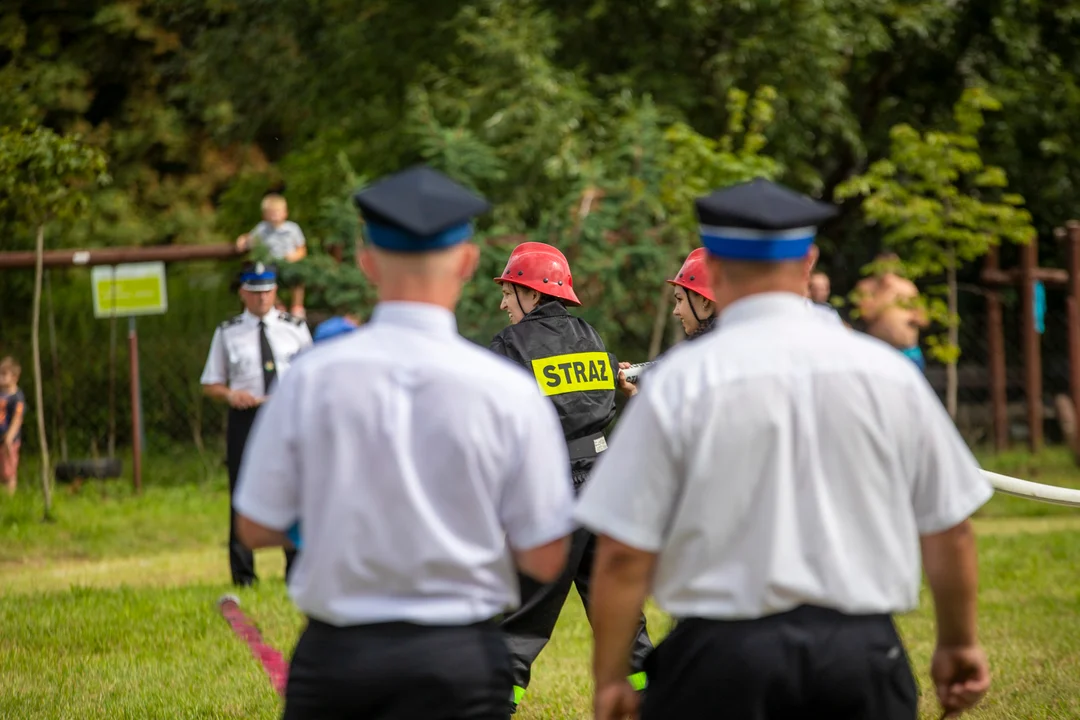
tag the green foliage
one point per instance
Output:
(940, 204)
(202, 106)
(695, 165)
(611, 184)
(45, 176)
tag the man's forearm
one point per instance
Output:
(620, 584)
(950, 561)
(216, 391)
(255, 536)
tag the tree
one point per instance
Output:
(936, 198)
(45, 177)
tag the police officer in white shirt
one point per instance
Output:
(772, 485)
(423, 470)
(248, 354)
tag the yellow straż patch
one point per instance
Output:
(575, 372)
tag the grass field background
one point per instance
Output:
(108, 611)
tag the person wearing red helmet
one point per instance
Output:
(695, 306)
(575, 371)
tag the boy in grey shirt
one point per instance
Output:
(282, 237)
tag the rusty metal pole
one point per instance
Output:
(995, 341)
(119, 255)
(1029, 255)
(1073, 305)
(136, 407)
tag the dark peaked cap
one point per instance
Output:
(421, 201)
(761, 205)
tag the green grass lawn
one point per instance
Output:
(108, 612)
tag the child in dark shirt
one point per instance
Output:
(12, 408)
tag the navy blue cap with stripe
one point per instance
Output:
(418, 210)
(760, 221)
(258, 277)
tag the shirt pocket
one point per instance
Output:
(243, 366)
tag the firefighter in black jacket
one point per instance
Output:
(574, 369)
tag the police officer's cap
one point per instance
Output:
(258, 277)
(418, 209)
(760, 220)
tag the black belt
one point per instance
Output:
(800, 612)
(586, 447)
(392, 625)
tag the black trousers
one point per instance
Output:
(528, 629)
(807, 663)
(398, 671)
(242, 560)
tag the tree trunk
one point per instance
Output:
(951, 379)
(659, 323)
(38, 393)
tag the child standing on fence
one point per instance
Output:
(285, 241)
(12, 408)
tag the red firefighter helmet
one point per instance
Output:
(540, 267)
(693, 275)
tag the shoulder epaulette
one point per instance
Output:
(292, 319)
(231, 321)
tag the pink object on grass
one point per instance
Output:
(277, 669)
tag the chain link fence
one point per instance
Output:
(86, 367)
(974, 411)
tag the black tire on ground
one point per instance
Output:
(102, 468)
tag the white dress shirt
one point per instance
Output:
(778, 462)
(414, 461)
(235, 357)
(825, 312)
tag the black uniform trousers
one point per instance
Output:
(528, 629)
(242, 560)
(808, 663)
(398, 671)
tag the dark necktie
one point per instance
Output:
(269, 367)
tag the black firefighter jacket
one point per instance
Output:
(572, 368)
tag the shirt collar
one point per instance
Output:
(416, 315)
(761, 306)
(267, 318)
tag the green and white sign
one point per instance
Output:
(129, 289)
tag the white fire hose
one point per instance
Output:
(1002, 483)
(1033, 491)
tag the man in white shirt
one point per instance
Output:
(820, 288)
(771, 485)
(422, 469)
(248, 355)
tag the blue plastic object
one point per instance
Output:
(333, 327)
(1040, 307)
(916, 356)
(294, 535)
